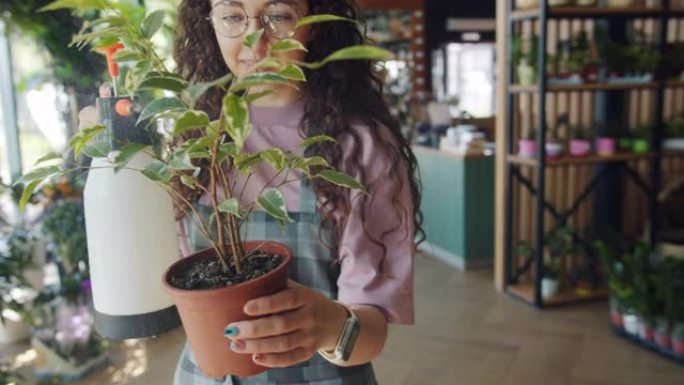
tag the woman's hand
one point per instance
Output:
(293, 325)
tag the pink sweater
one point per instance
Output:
(365, 278)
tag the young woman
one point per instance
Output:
(353, 253)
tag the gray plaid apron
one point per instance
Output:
(313, 264)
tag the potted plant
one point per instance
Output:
(579, 144)
(674, 134)
(642, 140)
(616, 276)
(524, 58)
(647, 303)
(553, 146)
(550, 279)
(527, 145)
(606, 143)
(211, 286)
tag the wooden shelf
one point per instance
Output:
(568, 160)
(675, 83)
(525, 291)
(532, 88)
(593, 12)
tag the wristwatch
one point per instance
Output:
(345, 343)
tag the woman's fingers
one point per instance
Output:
(283, 360)
(288, 299)
(277, 344)
(269, 326)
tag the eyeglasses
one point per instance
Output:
(230, 19)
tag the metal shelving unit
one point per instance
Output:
(531, 292)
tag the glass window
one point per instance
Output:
(41, 103)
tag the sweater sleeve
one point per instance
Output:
(369, 274)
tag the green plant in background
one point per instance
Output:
(675, 128)
(580, 53)
(646, 301)
(9, 376)
(617, 272)
(674, 60)
(220, 142)
(15, 259)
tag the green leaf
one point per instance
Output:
(236, 113)
(85, 136)
(252, 38)
(305, 164)
(180, 161)
(340, 179)
(98, 149)
(126, 154)
(161, 105)
(230, 206)
(244, 162)
(163, 83)
(189, 181)
(250, 98)
(269, 63)
(288, 45)
(27, 193)
(315, 139)
(125, 54)
(39, 174)
(196, 90)
(275, 157)
(258, 79)
(152, 23)
(190, 120)
(313, 19)
(50, 156)
(75, 4)
(293, 72)
(357, 52)
(273, 203)
(156, 171)
(226, 150)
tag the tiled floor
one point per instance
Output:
(466, 333)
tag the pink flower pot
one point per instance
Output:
(605, 146)
(663, 340)
(580, 147)
(678, 347)
(527, 148)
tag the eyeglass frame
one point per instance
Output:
(210, 19)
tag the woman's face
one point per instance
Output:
(235, 19)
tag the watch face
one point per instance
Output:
(350, 332)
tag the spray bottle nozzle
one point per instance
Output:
(113, 67)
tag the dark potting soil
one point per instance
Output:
(207, 273)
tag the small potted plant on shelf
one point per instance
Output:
(209, 287)
(647, 303)
(606, 143)
(642, 140)
(663, 281)
(526, 4)
(580, 145)
(524, 58)
(674, 134)
(550, 279)
(527, 145)
(615, 273)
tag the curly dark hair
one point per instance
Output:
(337, 96)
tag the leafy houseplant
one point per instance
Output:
(227, 270)
(579, 144)
(642, 140)
(674, 134)
(524, 59)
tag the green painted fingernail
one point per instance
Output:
(231, 331)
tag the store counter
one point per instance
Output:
(458, 207)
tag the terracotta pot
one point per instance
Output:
(205, 313)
